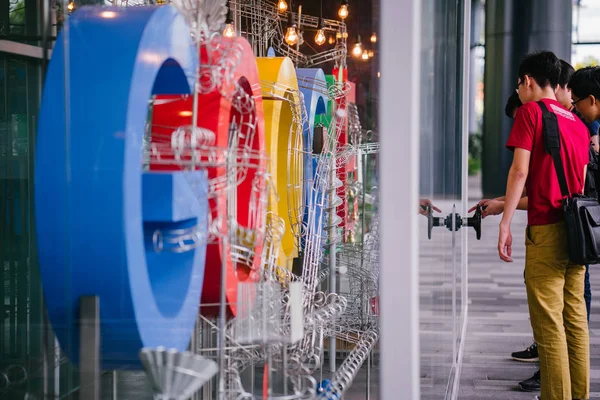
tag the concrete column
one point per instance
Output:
(513, 29)
(400, 92)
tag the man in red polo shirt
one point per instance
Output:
(554, 285)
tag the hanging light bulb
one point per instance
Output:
(374, 38)
(365, 55)
(229, 30)
(71, 6)
(282, 6)
(291, 35)
(343, 11)
(357, 50)
(371, 54)
(338, 35)
(320, 37)
(331, 40)
(345, 35)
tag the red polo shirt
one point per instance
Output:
(543, 190)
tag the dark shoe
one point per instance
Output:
(530, 354)
(532, 384)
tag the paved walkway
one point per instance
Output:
(499, 321)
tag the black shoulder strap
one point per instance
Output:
(552, 143)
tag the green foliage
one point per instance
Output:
(474, 166)
(475, 149)
(17, 13)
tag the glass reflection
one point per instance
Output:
(443, 226)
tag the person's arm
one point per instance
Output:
(503, 198)
(486, 202)
(514, 189)
(496, 207)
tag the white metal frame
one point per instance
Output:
(22, 49)
(465, 65)
(399, 279)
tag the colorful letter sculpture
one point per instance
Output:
(217, 114)
(340, 106)
(284, 147)
(312, 87)
(104, 226)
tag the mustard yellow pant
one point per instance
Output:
(558, 314)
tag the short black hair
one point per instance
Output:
(585, 82)
(512, 104)
(543, 66)
(566, 72)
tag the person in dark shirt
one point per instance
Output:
(512, 105)
(585, 89)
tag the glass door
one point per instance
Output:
(445, 227)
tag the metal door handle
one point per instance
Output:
(473, 221)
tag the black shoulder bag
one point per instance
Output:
(581, 213)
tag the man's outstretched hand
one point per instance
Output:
(483, 203)
(493, 207)
(489, 207)
(424, 207)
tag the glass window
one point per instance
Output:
(441, 258)
(21, 329)
(586, 38)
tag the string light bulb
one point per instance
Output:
(320, 37)
(345, 35)
(229, 30)
(71, 6)
(338, 35)
(371, 54)
(357, 50)
(331, 40)
(374, 38)
(291, 35)
(343, 11)
(282, 6)
(365, 55)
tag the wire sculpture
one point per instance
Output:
(261, 332)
